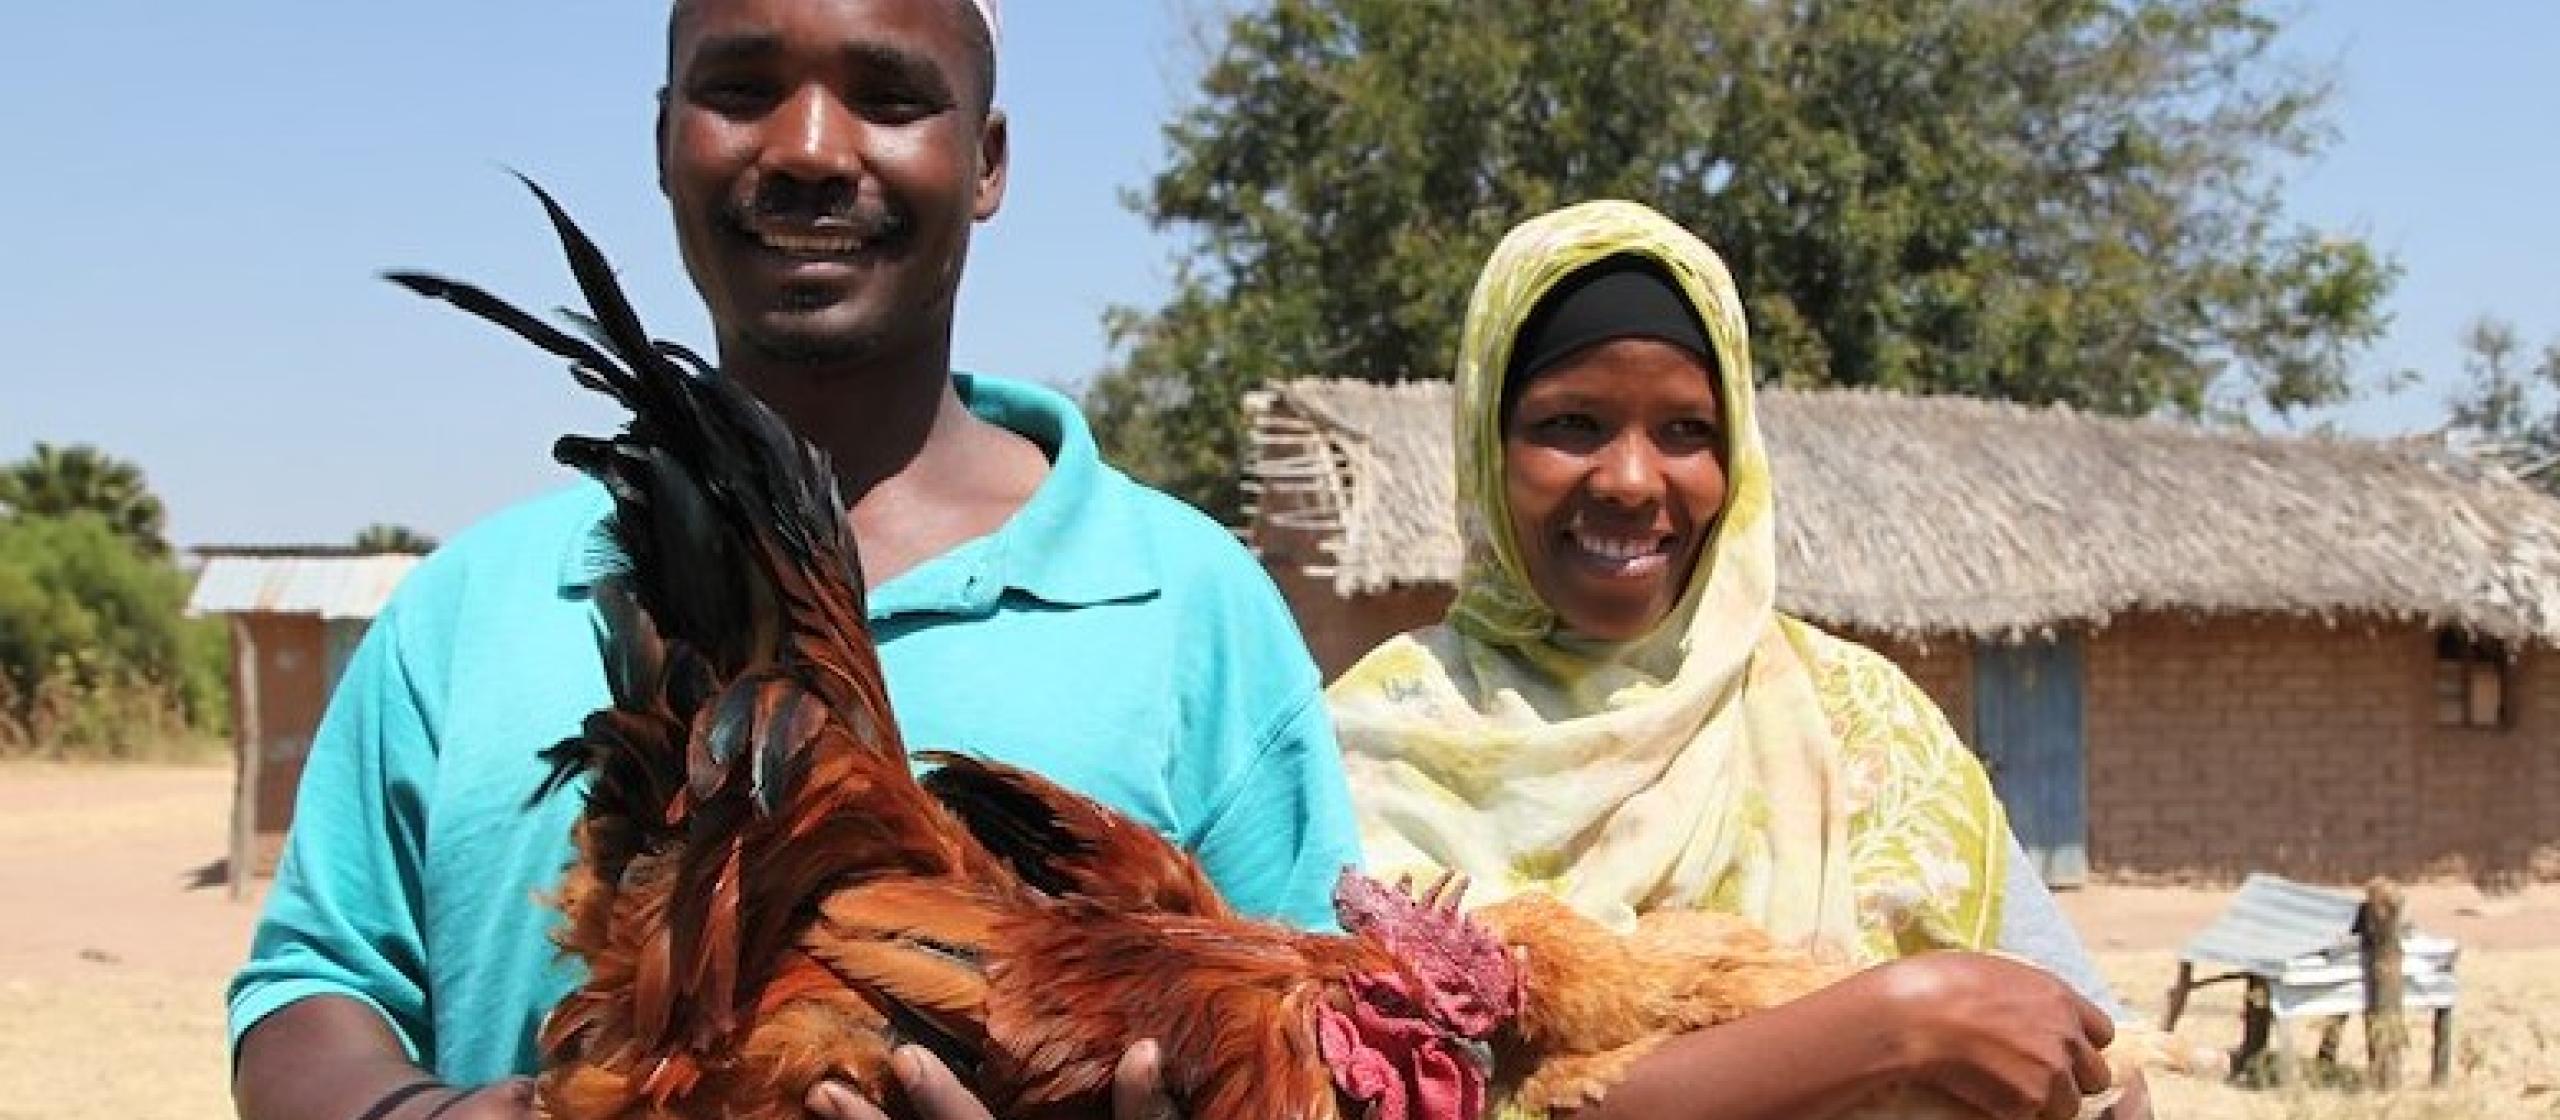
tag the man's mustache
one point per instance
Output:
(834, 206)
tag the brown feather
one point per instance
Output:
(1067, 993)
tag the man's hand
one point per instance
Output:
(1137, 1090)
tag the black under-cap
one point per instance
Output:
(1624, 296)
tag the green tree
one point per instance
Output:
(2505, 403)
(94, 645)
(2046, 200)
(393, 538)
(59, 481)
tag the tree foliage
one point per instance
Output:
(2045, 200)
(60, 481)
(94, 646)
(96, 653)
(393, 538)
(2506, 401)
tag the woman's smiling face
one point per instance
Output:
(1613, 467)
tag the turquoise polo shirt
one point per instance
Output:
(1107, 636)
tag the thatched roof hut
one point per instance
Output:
(1916, 516)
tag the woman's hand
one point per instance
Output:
(2001, 1039)
(1137, 1090)
(2000, 1036)
(2135, 1104)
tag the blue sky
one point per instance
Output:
(199, 195)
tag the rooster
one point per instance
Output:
(1596, 1001)
(764, 894)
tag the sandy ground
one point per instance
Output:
(117, 933)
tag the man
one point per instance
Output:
(824, 161)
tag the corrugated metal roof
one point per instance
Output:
(328, 586)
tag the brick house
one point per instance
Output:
(2185, 654)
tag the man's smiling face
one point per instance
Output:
(824, 160)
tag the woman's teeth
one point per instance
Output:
(1621, 550)
(1632, 556)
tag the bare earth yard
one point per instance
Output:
(117, 934)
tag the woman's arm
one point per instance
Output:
(2001, 1037)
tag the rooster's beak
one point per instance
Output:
(1477, 1052)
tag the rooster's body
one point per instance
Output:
(765, 895)
(1596, 1001)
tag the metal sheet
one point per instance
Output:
(2272, 921)
(332, 587)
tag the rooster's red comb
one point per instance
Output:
(1468, 977)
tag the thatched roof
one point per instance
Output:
(1913, 516)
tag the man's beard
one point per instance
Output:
(845, 349)
(816, 350)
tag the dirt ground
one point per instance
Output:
(118, 933)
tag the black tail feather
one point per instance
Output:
(742, 643)
(595, 278)
(471, 298)
(1006, 819)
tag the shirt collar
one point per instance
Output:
(1079, 541)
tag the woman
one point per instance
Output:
(1615, 713)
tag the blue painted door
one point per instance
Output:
(2026, 724)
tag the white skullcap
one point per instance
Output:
(988, 11)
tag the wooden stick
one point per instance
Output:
(2257, 1022)
(249, 731)
(2443, 1070)
(2178, 996)
(2386, 1034)
(2332, 1027)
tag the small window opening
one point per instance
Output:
(2471, 681)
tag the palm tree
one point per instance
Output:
(393, 538)
(60, 481)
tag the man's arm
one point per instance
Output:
(333, 1058)
(329, 1012)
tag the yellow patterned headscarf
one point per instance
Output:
(1733, 759)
